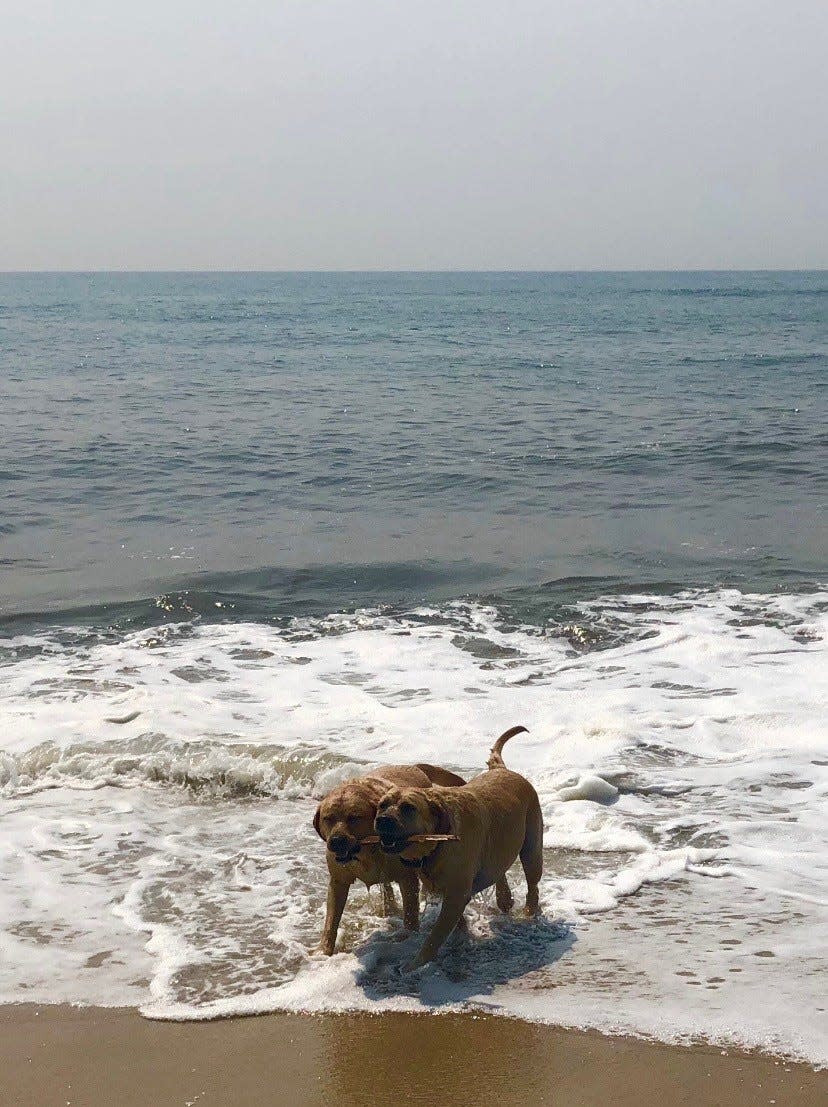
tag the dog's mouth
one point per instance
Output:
(346, 855)
(393, 843)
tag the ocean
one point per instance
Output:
(262, 531)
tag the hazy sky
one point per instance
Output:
(425, 134)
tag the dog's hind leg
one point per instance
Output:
(389, 901)
(531, 857)
(503, 895)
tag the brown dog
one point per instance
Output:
(346, 816)
(496, 817)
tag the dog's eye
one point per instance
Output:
(407, 808)
(352, 819)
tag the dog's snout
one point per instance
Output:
(385, 822)
(338, 843)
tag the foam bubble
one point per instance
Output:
(589, 787)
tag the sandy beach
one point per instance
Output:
(94, 1057)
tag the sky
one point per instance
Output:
(435, 134)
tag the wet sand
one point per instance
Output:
(93, 1057)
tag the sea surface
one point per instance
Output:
(260, 532)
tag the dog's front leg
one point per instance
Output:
(337, 898)
(410, 890)
(451, 912)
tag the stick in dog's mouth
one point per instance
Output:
(397, 845)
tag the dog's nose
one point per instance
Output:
(385, 822)
(338, 844)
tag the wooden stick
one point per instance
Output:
(374, 839)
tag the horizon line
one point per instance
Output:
(380, 272)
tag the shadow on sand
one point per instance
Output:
(498, 949)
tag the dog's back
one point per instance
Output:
(442, 777)
(420, 775)
(506, 798)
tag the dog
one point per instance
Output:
(345, 817)
(496, 817)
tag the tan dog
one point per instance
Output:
(346, 816)
(496, 817)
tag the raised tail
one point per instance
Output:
(495, 757)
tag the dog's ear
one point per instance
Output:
(316, 824)
(440, 815)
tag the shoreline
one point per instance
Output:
(93, 1057)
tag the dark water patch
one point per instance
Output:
(483, 648)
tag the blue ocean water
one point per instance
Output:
(279, 442)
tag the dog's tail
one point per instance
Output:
(495, 757)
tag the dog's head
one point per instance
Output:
(346, 816)
(405, 811)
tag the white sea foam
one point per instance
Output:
(158, 787)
